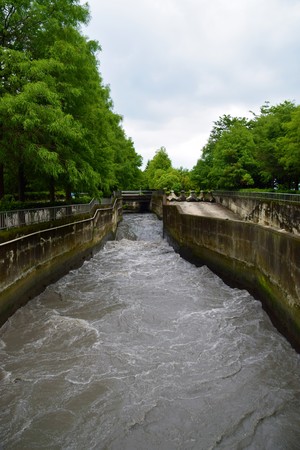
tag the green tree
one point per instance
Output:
(288, 149)
(200, 174)
(88, 161)
(161, 162)
(159, 174)
(29, 25)
(226, 160)
(185, 178)
(234, 164)
(25, 27)
(167, 179)
(57, 124)
(26, 119)
(128, 163)
(268, 128)
(38, 137)
(261, 152)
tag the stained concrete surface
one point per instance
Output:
(206, 209)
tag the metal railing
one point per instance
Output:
(292, 198)
(137, 192)
(23, 217)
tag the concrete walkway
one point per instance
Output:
(206, 209)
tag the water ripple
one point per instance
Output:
(138, 349)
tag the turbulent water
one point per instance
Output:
(139, 349)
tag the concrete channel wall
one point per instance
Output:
(29, 263)
(283, 215)
(247, 255)
(156, 205)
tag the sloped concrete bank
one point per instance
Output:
(262, 260)
(29, 263)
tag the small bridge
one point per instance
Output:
(136, 201)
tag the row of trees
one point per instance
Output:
(261, 152)
(58, 129)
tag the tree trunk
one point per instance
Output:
(52, 190)
(22, 183)
(1, 181)
(68, 194)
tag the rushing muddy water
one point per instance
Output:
(139, 349)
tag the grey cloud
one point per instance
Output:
(175, 64)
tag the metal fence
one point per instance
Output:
(291, 198)
(137, 192)
(19, 218)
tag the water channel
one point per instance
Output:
(139, 349)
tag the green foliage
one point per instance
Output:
(233, 161)
(159, 174)
(262, 152)
(268, 129)
(57, 125)
(160, 164)
(288, 148)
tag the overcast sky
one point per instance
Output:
(175, 66)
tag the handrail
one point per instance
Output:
(111, 206)
(138, 192)
(25, 217)
(294, 198)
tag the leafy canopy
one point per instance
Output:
(57, 124)
(262, 152)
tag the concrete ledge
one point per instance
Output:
(264, 261)
(29, 263)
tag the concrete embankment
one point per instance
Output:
(29, 263)
(275, 213)
(263, 260)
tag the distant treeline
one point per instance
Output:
(261, 152)
(58, 130)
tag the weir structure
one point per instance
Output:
(136, 201)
